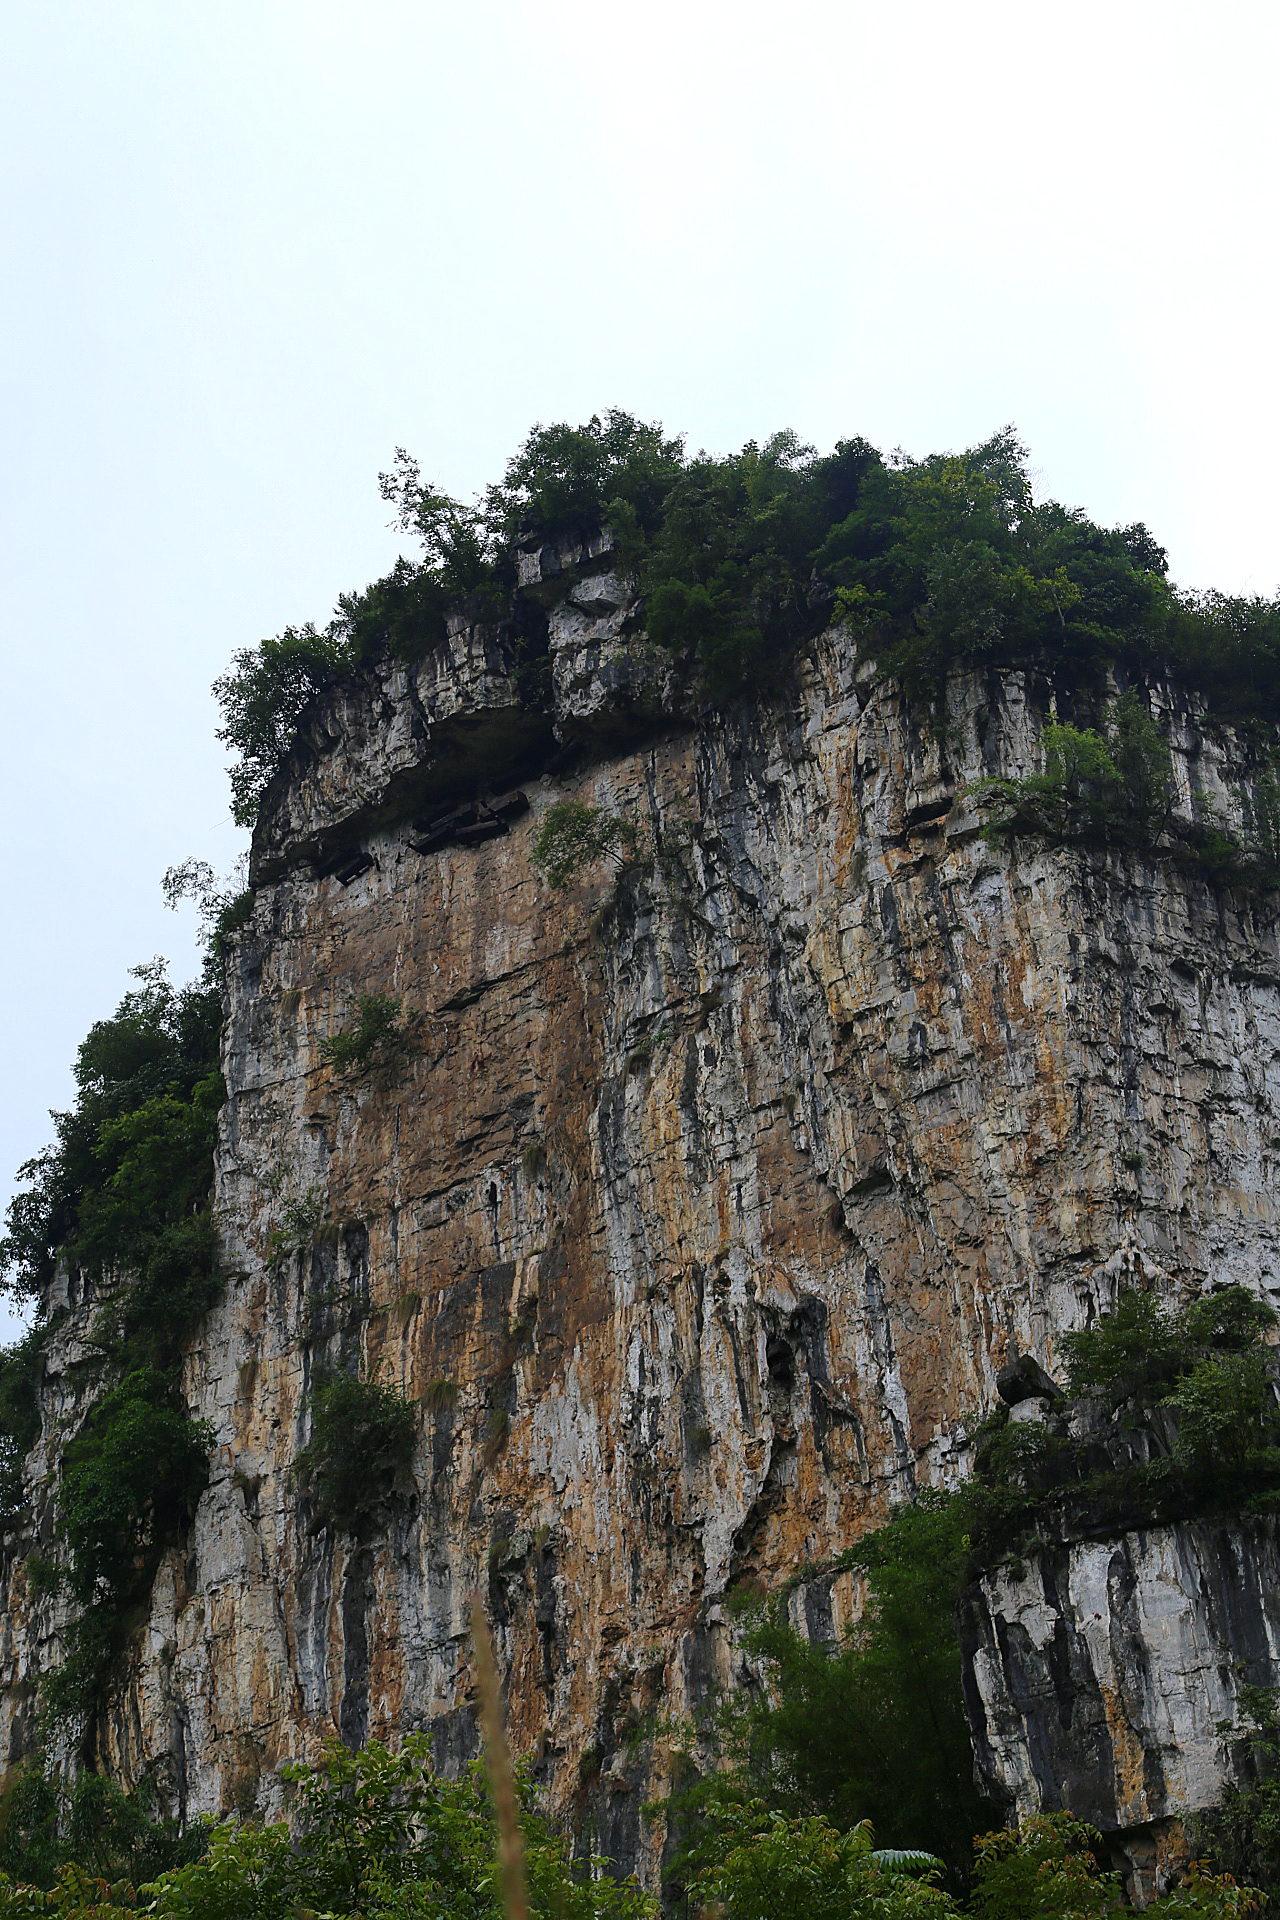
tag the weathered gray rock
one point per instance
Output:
(1100, 1676)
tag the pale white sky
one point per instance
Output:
(249, 249)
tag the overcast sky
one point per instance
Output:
(249, 249)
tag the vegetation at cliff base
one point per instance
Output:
(92, 1826)
(376, 1834)
(870, 1729)
(1241, 1836)
(738, 560)
(383, 1836)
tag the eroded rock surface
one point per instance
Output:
(1101, 1676)
(720, 1195)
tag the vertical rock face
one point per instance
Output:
(1100, 1676)
(715, 1195)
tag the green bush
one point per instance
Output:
(1241, 1836)
(1188, 1395)
(361, 1448)
(21, 1372)
(872, 1729)
(124, 1195)
(380, 1030)
(135, 1153)
(1105, 788)
(377, 1834)
(47, 1825)
(131, 1479)
(1050, 1871)
(263, 697)
(769, 1867)
(568, 481)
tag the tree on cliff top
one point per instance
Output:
(935, 563)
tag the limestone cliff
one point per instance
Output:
(720, 1193)
(1105, 1676)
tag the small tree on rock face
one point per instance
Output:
(572, 835)
(379, 1030)
(363, 1436)
(1112, 786)
(262, 696)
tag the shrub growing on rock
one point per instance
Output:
(362, 1440)
(379, 1032)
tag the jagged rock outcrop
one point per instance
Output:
(720, 1196)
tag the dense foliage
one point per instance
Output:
(376, 1834)
(384, 1837)
(770, 1867)
(1113, 786)
(873, 1729)
(122, 1197)
(21, 1371)
(47, 1826)
(132, 1160)
(767, 1866)
(264, 696)
(1176, 1414)
(738, 560)
(1242, 1836)
(361, 1447)
(1050, 1870)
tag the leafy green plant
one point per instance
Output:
(1048, 1867)
(803, 1868)
(873, 1729)
(569, 481)
(1111, 787)
(131, 1479)
(573, 835)
(21, 1371)
(360, 1452)
(114, 1835)
(1241, 1836)
(1049, 1870)
(375, 1834)
(1227, 1416)
(262, 697)
(123, 1194)
(135, 1154)
(299, 1223)
(380, 1031)
(1188, 1398)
